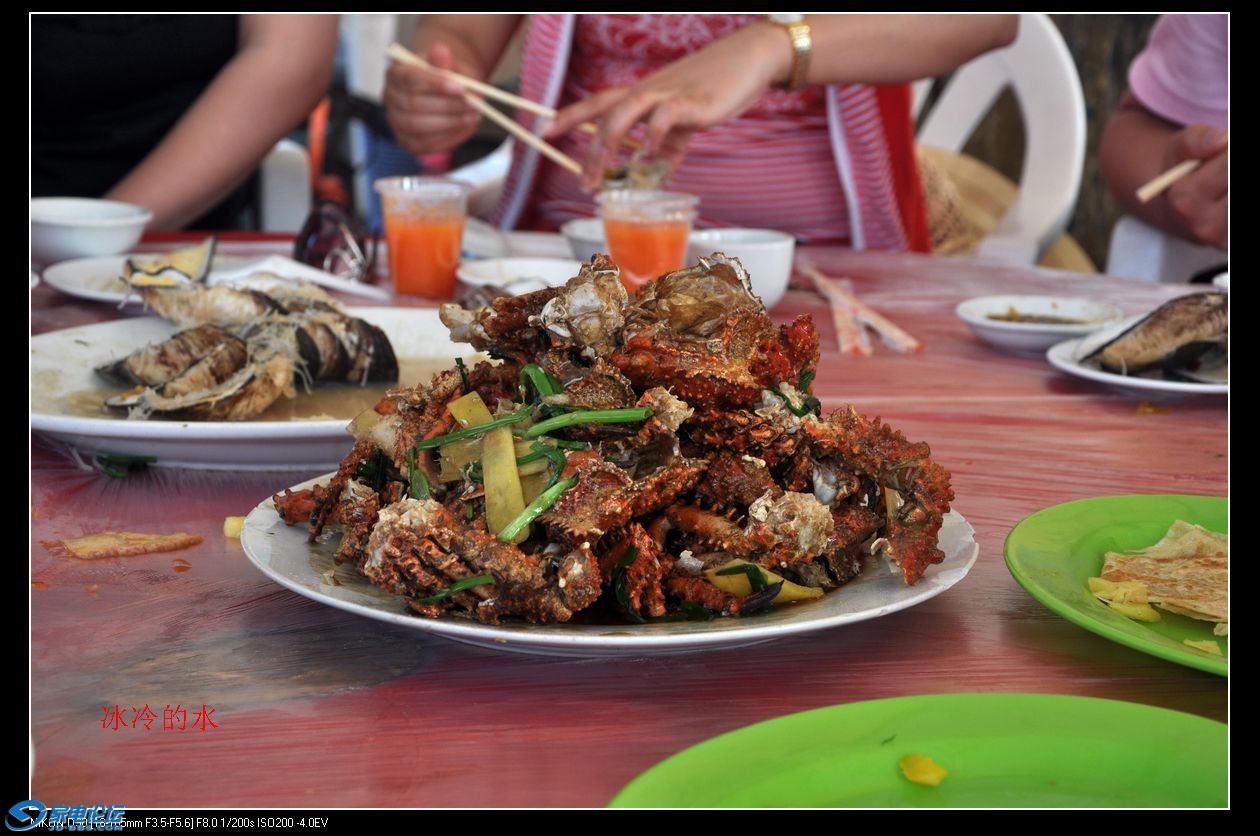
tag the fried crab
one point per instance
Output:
(661, 444)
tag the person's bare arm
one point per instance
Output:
(280, 71)
(725, 78)
(1138, 145)
(428, 114)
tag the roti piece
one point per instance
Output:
(120, 544)
(1186, 572)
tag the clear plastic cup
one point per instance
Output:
(647, 231)
(424, 228)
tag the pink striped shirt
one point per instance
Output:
(772, 166)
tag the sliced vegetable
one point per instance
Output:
(456, 455)
(535, 376)
(232, 527)
(534, 484)
(756, 581)
(922, 770)
(477, 429)
(736, 578)
(544, 501)
(458, 586)
(504, 500)
(588, 416)
(376, 469)
(761, 600)
(1137, 612)
(555, 459)
(417, 482)
(619, 585)
(463, 374)
(809, 404)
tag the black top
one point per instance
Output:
(105, 89)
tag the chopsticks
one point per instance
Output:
(1157, 185)
(523, 134)
(1154, 187)
(851, 314)
(471, 85)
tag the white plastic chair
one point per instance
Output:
(285, 188)
(1141, 251)
(1040, 71)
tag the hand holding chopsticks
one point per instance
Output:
(1157, 185)
(475, 92)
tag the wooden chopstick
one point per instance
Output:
(846, 307)
(1154, 187)
(523, 134)
(400, 53)
(1157, 184)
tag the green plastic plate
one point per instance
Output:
(1001, 750)
(1054, 552)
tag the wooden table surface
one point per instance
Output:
(319, 708)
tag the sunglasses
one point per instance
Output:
(334, 242)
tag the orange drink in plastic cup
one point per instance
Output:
(647, 232)
(424, 228)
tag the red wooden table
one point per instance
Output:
(317, 708)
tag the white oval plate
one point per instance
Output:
(99, 278)
(1066, 357)
(519, 275)
(284, 555)
(62, 363)
(1032, 336)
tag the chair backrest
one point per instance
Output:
(1040, 71)
(284, 188)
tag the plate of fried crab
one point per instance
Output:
(625, 475)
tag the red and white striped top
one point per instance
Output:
(772, 166)
(769, 168)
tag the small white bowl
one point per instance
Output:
(518, 275)
(765, 253)
(1034, 336)
(585, 237)
(75, 227)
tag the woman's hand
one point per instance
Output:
(703, 89)
(428, 113)
(1138, 145)
(1199, 201)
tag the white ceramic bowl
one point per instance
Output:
(518, 275)
(585, 237)
(765, 253)
(1034, 336)
(74, 227)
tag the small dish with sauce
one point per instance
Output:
(1034, 323)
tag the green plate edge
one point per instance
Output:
(1002, 750)
(1086, 528)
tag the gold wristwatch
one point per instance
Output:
(802, 44)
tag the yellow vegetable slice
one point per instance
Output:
(188, 264)
(1137, 612)
(232, 527)
(534, 484)
(922, 770)
(454, 457)
(1124, 592)
(504, 499)
(738, 584)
